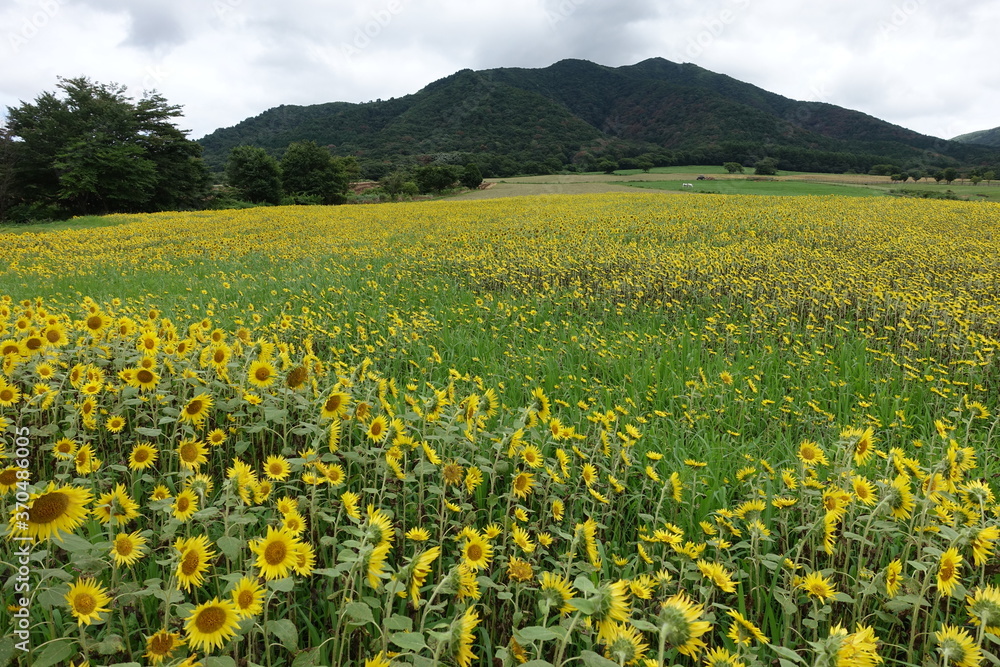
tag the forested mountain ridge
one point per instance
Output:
(575, 112)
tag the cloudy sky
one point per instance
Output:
(928, 65)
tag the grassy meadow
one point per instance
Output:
(608, 429)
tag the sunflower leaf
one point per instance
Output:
(592, 659)
(410, 641)
(230, 546)
(148, 432)
(55, 653)
(359, 612)
(284, 630)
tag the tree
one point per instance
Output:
(471, 177)
(938, 176)
(8, 162)
(989, 176)
(916, 175)
(607, 166)
(436, 177)
(94, 150)
(949, 174)
(309, 170)
(254, 174)
(645, 165)
(766, 167)
(733, 167)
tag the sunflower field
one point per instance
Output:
(628, 429)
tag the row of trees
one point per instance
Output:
(306, 174)
(93, 150)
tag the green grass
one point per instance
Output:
(755, 187)
(83, 222)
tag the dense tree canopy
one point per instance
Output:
(254, 174)
(93, 150)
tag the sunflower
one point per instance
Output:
(161, 646)
(350, 501)
(893, 578)
(957, 647)
(334, 474)
(335, 405)
(557, 509)
(294, 523)
(376, 563)
(194, 556)
(9, 395)
(211, 624)
(900, 497)
(277, 468)
(524, 482)
(532, 456)
(116, 507)
(9, 479)
(64, 449)
(192, 453)
(303, 559)
(86, 600)
(857, 649)
(476, 552)
(861, 442)
(982, 544)
(462, 637)
(196, 410)
(556, 592)
(864, 490)
(143, 456)
(611, 606)
(275, 552)
(743, 631)
(53, 511)
(816, 585)
(185, 505)
(522, 539)
(96, 323)
(379, 527)
(261, 374)
(811, 454)
(720, 657)
(377, 429)
(146, 379)
(127, 548)
(624, 645)
(718, 576)
(589, 474)
(160, 492)
(948, 567)
(421, 568)
(679, 621)
(248, 597)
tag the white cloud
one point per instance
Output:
(916, 63)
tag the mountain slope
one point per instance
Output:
(576, 111)
(981, 138)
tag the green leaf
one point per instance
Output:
(283, 585)
(110, 645)
(786, 653)
(536, 633)
(73, 543)
(306, 658)
(6, 651)
(359, 612)
(55, 652)
(592, 659)
(219, 661)
(585, 606)
(148, 432)
(396, 621)
(230, 546)
(537, 663)
(285, 631)
(410, 641)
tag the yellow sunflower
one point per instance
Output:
(211, 624)
(53, 511)
(185, 505)
(679, 618)
(462, 637)
(248, 597)
(86, 600)
(275, 552)
(192, 453)
(161, 646)
(116, 507)
(195, 555)
(127, 548)
(143, 456)
(277, 468)
(261, 374)
(196, 410)
(476, 552)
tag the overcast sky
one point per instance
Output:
(928, 65)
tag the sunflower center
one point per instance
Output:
(149, 344)
(474, 552)
(189, 453)
(123, 546)
(245, 599)
(6, 394)
(183, 503)
(333, 403)
(190, 563)
(8, 477)
(84, 603)
(11, 349)
(48, 508)
(194, 407)
(162, 643)
(275, 553)
(211, 620)
(141, 456)
(94, 322)
(34, 343)
(262, 374)
(144, 376)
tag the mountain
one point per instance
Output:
(981, 138)
(575, 112)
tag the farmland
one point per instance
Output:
(619, 427)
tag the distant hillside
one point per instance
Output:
(576, 112)
(982, 138)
